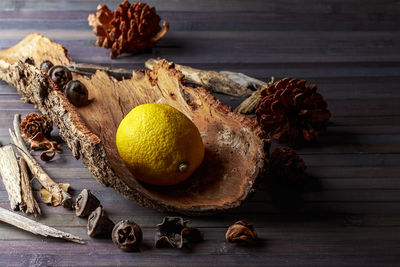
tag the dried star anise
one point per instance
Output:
(130, 28)
(287, 166)
(292, 112)
(34, 124)
(174, 233)
(242, 233)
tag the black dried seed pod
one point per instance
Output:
(127, 235)
(77, 93)
(85, 203)
(99, 223)
(29, 61)
(45, 66)
(60, 75)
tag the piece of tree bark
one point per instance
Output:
(229, 83)
(44, 179)
(11, 176)
(35, 227)
(29, 202)
(236, 148)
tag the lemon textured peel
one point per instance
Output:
(159, 144)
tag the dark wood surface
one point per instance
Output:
(351, 49)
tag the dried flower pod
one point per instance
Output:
(130, 28)
(286, 166)
(173, 233)
(85, 203)
(127, 235)
(99, 223)
(34, 124)
(242, 233)
(292, 112)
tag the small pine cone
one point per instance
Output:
(286, 167)
(130, 28)
(292, 112)
(34, 124)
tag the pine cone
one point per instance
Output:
(130, 28)
(34, 124)
(292, 112)
(286, 166)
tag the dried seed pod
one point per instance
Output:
(85, 203)
(76, 93)
(130, 28)
(99, 223)
(34, 124)
(60, 75)
(241, 232)
(29, 61)
(127, 235)
(286, 166)
(173, 233)
(292, 112)
(45, 66)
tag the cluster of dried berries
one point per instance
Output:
(35, 129)
(242, 233)
(130, 28)
(292, 112)
(287, 166)
(173, 233)
(75, 91)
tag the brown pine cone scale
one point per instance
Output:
(292, 112)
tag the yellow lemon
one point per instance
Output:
(159, 144)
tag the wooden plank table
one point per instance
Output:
(351, 49)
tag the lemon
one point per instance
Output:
(159, 144)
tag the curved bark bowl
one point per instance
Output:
(235, 148)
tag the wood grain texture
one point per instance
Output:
(348, 48)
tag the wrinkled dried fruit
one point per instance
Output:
(173, 233)
(45, 66)
(48, 198)
(292, 112)
(99, 223)
(76, 93)
(241, 232)
(60, 75)
(127, 235)
(85, 203)
(130, 28)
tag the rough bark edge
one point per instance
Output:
(36, 87)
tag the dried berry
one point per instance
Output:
(174, 233)
(60, 75)
(45, 66)
(242, 233)
(77, 93)
(34, 124)
(292, 112)
(130, 28)
(85, 203)
(29, 61)
(127, 235)
(99, 223)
